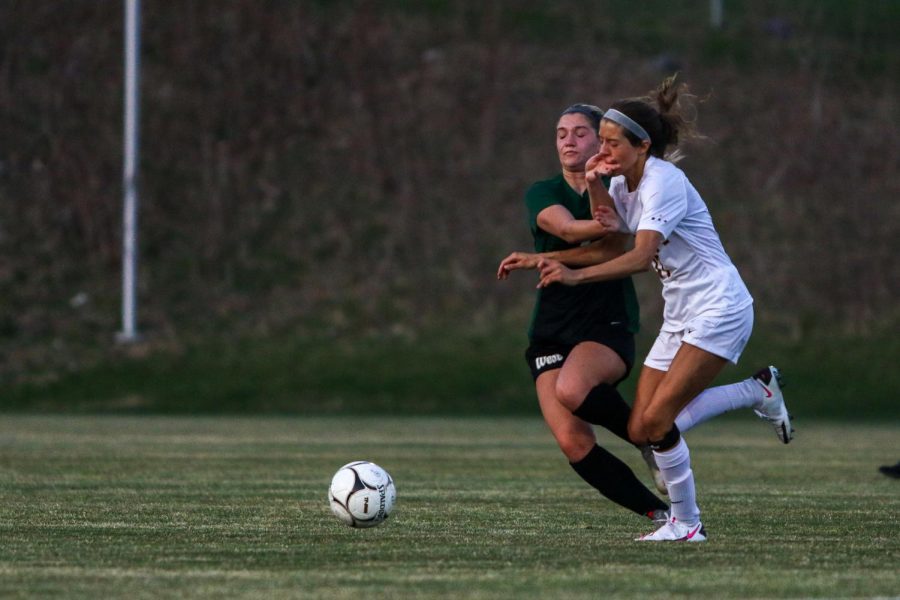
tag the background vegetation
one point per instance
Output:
(328, 187)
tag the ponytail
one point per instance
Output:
(667, 114)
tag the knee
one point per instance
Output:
(575, 445)
(649, 426)
(570, 396)
(636, 432)
(656, 425)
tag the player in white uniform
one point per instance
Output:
(708, 311)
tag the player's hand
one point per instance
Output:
(516, 261)
(608, 167)
(589, 168)
(608, 219)
(598, 166)
(553, 271)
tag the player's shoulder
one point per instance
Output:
(662, 167)
(545, 192)
(662, 178)
(545, 186)
(661, 170)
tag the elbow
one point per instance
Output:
(643, 262)
(570, 235)
(642, 268)
(577, 233)
(645, 265)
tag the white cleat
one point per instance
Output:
(676, 531)
(771, 408)
(658, 481)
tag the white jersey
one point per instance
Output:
(698, 277)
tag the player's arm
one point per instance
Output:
(599, 251)
(557, 220)
(636, 260)
(602, 250)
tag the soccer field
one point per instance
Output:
(100, 507)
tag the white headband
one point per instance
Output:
(626, 122)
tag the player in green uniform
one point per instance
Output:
(582, 338)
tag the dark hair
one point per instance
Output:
(667, 121)
(593, 113)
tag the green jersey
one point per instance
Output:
(570, 315)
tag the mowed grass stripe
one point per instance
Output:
(235, 507)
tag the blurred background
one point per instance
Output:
(327, 189)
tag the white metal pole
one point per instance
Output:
(130, 171)
(716, 14)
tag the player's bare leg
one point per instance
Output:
(661, 396)
(603, 471)
(586, 388)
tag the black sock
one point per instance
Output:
(668, 441)
(605, 406)
(615, 480)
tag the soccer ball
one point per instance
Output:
(362, 494)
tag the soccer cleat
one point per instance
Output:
(658, 481)
(772, 408)
(659, 517)
(891, 470)
(676, 531)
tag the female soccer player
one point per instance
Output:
(581, 339)
(708, 313)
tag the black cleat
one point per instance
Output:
(891, 470)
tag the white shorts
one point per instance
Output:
(724, 336)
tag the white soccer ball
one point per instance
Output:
(362, 494)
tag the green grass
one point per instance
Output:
(472, 370)
(141, 507)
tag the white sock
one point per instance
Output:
(718, 400)
(675, 466)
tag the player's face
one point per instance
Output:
(576, 141)
(616, 149)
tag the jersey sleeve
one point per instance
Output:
(664, 205)
(538, 197)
